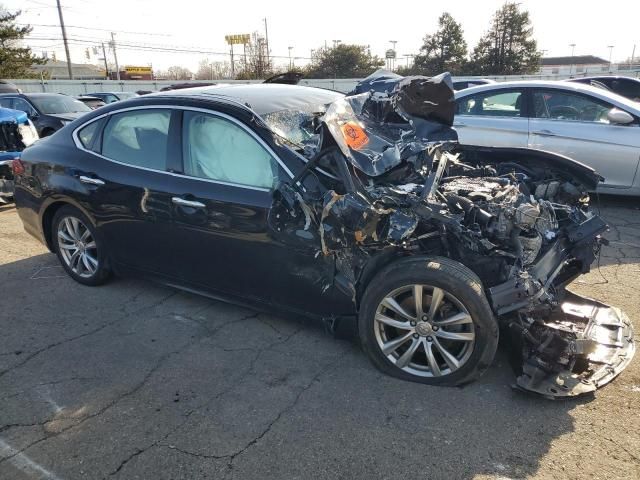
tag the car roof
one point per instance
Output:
(262, 98)
(604, 77)
(577, 87)
(33, 94)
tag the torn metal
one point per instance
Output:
(396, 183)
(16, 133)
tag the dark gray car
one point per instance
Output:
(49, 112)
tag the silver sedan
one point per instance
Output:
(596, 127)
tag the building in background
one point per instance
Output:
(133, 73)
(576, 65)
(57, 70)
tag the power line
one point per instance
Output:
(95, 28)
(151, 47)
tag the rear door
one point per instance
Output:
(493, 118)
(125, 180)
(576, 125)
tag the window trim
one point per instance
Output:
(591, 98)
(78, 143)
(524, 111)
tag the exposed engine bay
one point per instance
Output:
(400, 185)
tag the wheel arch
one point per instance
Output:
(49, 210)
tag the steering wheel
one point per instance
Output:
(564, 112)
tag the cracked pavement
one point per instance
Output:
(134, 381)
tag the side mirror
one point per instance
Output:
(619, 117)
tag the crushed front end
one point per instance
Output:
(519, 218)
(16, 133)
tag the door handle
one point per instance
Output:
(91, 181)
(460, 124)
(544, 133)
(187, 203)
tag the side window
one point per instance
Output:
(627, 88)
(111, 98)
(218, 149)
(492, 104)
(21, 104)
(138, 137)
(88, 133)
(5, 102)
(567, 106)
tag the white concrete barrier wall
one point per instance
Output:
(80, 87)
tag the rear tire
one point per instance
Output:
(427, 320)
(79, 250)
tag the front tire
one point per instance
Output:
(427, 320)
(78, 248)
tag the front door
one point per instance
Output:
(576, 125)
(221, 205)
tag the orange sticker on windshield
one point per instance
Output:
(354, 135)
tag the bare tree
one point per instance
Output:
(176, 73)
(254, 59)
(208, 70)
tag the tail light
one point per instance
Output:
(17, 166)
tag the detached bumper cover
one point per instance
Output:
(600, 346)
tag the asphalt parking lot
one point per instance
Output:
(134, 380)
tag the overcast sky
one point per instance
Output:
(306, 25)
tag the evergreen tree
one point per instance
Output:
(15, 60)
(508, 48)
(344, 61)
(445, 50)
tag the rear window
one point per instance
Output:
(88, 133)
(138, 138)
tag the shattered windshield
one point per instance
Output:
(295, 126)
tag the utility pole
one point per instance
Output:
(115, 55)
(633, 54)
(542, 52)
(64, 39)
(393, 60)
(290, 64)
(233, 68)
(610, 47)
(106, 67)
(266, 36)
(573, 47)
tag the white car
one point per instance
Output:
(591, 125)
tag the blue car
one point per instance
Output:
(16, 133)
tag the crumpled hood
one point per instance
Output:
(390, 119)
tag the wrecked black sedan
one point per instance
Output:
(359, 210)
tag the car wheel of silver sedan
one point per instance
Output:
(428, 320)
